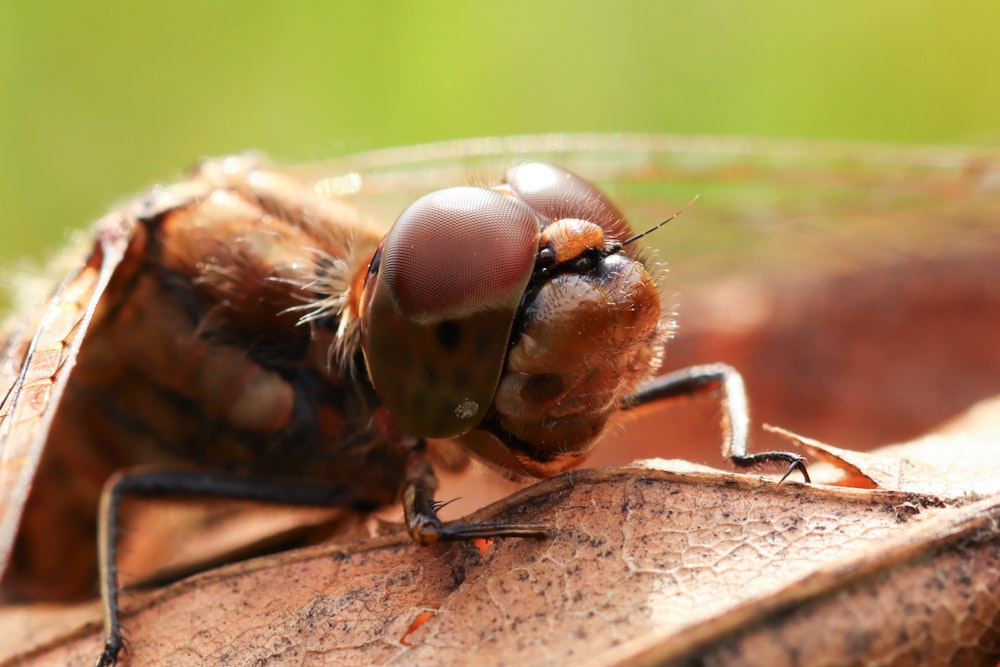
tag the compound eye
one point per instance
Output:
(556, 194)
(459, 251)
(440, 308)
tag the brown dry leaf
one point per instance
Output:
(958, 461)
(659, 563)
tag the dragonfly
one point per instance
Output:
(249, 333)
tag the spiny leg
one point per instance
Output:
(420, 510)
(177, 483)
(736, 413)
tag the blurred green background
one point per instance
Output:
(100, 99)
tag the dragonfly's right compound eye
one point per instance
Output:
(438, 308)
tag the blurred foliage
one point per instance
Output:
(100, 99)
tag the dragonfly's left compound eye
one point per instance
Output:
(438, 308)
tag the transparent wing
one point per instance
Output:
(811, 205)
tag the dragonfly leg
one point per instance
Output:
(178, 483)
(420, 510)
(736, 413)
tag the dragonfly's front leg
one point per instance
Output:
(420, 510)
(736, 413)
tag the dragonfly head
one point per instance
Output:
(514, 318)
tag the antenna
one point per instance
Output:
(660, 224)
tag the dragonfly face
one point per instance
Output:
(515, 311)
(243, 323)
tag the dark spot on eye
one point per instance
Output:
(542, 388)
(449, 334)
